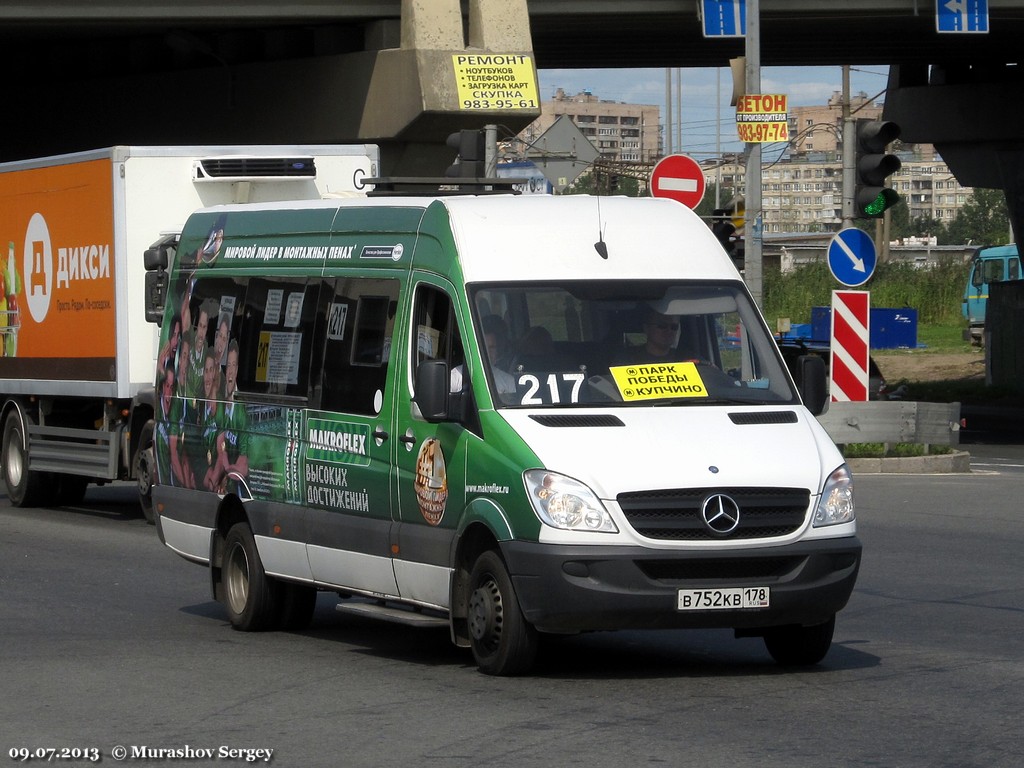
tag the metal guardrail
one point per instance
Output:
(893, 421)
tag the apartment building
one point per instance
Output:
(802, 192)
(629, 133)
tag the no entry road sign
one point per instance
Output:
(679, 178)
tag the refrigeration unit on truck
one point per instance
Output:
(76, 352)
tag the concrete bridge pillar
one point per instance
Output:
(413, 100)
(401, 91)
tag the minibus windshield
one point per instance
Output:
(639, 343)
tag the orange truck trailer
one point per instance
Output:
(76, 353)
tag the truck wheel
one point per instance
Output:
(503, 642)
(24, 487)
(795, 646)
(145, 465)
(253, 600)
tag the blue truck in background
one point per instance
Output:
(988, 265)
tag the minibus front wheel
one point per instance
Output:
(252, 599)
(503, 642)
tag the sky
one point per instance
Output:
(706, 93)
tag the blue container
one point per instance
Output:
(890, 328)
(798, 331)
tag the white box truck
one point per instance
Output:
(77, 355)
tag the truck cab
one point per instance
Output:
(989, 265)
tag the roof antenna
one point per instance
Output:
(600, 246)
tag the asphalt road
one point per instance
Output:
(108, 640)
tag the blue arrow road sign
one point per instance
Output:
(851, 257)
(961, 15)
(724, 18)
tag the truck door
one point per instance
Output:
(430, 458)
(985, 271)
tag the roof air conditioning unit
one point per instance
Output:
(250, 168)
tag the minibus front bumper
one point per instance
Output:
(581, 588)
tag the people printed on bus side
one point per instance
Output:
(221, 337)
(184, 371)
(180, 420)
(168, 357)
(208, 309)
(164, 424)
(231, 444)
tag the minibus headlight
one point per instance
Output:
(836, 503)
(562, 502)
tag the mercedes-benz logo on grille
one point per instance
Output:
(721, 513)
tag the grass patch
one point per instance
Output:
(944, 337)
(892, 450)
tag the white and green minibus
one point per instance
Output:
(513, 415)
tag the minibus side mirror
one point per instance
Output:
(156, 296)
(813, 383)
(432, 385)
(156, 259)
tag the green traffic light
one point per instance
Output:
(884, 200)
(876, 206)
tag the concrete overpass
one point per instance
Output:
(80, 75)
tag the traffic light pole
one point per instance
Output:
(849, 151)
(752, 250)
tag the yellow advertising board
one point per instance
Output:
(495, 81)
(57, 267)
(762, 118)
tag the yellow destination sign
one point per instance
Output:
(658, 380)
(762, 118)
(495, 81)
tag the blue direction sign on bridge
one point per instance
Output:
(852, 257)
(724, 18)
(961, 15)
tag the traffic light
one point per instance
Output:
(723, 228)
(871, 198)
(472, 160)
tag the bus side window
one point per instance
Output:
(359, 321)
(436, 328)
(277, 337)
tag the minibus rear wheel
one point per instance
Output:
(796, 646)
(503, 642)
(252, 599)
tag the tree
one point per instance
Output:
(983, 219)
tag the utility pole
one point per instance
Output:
(849, 150)
(752, 250)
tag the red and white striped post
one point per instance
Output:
(851, 312)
